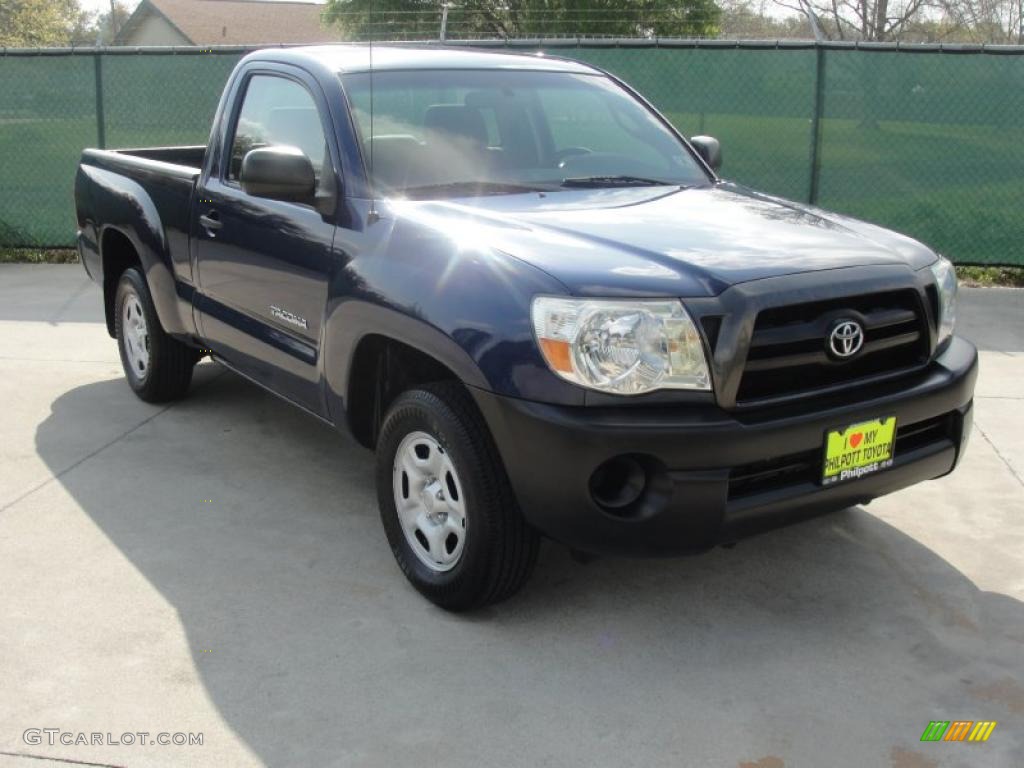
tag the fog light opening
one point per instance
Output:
(618, 483)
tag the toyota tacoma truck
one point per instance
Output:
(538, 303)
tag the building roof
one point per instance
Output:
(236, 22)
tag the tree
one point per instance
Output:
(405, 19)
(32, 23)
(747, 20)
(872, 20)
(998, 21)
(913, 21)
(103, 30)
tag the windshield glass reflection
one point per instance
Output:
(453, 133)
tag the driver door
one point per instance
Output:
(263, 264)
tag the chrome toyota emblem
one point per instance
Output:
(846, 339)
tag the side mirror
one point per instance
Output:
(280, 173)
(709, 149)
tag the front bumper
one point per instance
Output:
(715, 476)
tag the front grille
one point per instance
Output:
(805, 467)
(788, 349)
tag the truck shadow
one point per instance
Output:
(259, 526)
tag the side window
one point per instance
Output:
(278, 111)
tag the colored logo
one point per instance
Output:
(958, 730)
(846, 339)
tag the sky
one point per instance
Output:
(98, 5)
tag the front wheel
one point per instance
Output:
(157, 366)
(447, 507)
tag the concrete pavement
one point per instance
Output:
(218, 567)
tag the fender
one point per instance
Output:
(351, 321)
(126, 207)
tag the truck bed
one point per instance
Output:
(191, 156)
(146, 195)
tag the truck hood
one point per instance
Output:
(665, 241)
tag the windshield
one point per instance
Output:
(467, 132)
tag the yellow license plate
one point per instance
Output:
(858, 450)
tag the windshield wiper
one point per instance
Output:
(469, 189)
(615, 181)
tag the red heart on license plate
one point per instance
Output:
(855, 439)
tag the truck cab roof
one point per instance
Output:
(345, 58)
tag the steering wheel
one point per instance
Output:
(561, 155)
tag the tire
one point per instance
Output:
(158, 367)
(436, 431)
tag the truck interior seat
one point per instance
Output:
(398, 160)
(448, 122)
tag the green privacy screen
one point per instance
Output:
(52, 106)
(927, 141)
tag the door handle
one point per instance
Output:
(211, 222)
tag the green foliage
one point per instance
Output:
(38, 256)
(486, 19)
(30, 23)
(1012, 277)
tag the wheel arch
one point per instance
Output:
(118, 252)
(357, 338)
(121, 248)
(382, 368)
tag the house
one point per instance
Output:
(224, 22)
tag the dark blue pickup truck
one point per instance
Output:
(536, 301)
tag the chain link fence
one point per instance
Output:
(927, 140)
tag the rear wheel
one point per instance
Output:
(158, 367)
(447, 508)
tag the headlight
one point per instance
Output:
(945, 281)
(624, 347)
